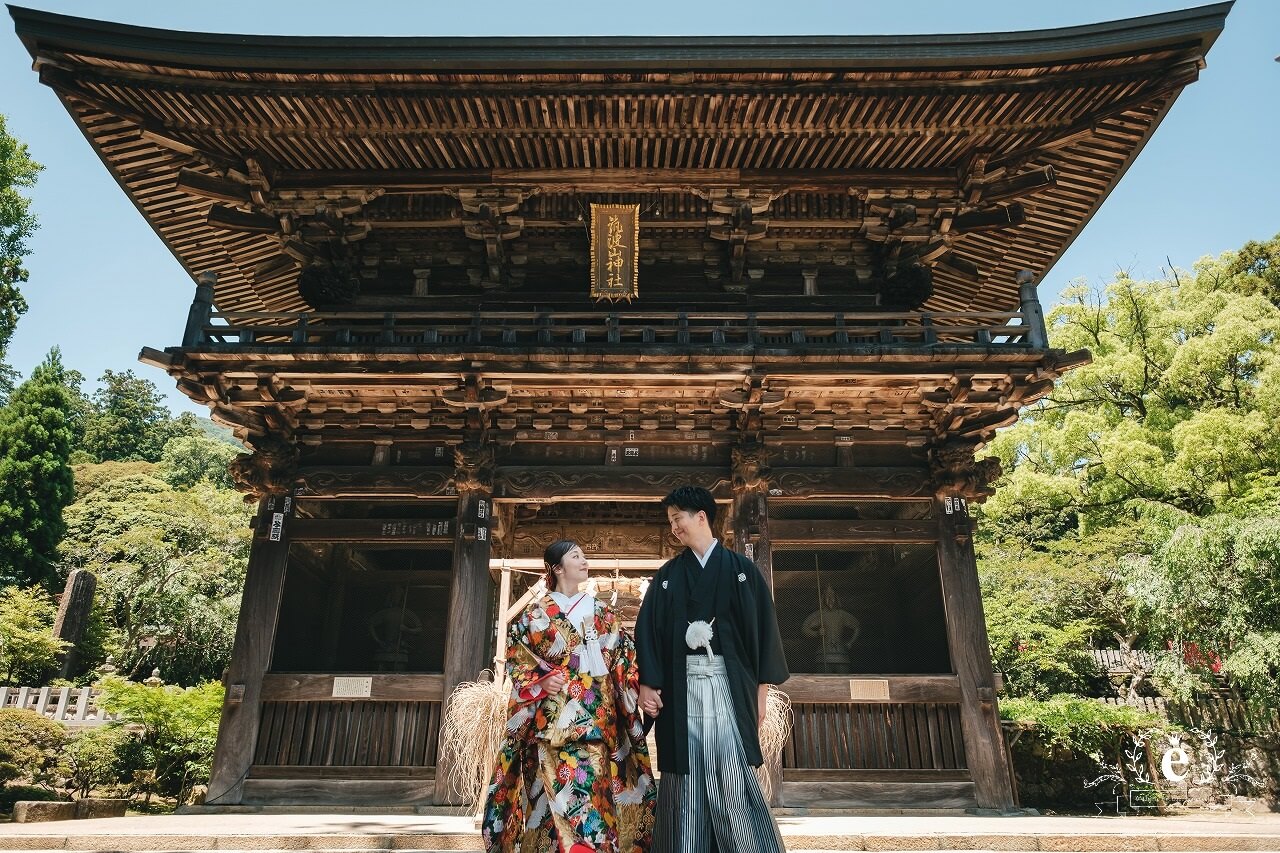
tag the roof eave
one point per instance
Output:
(42, 31)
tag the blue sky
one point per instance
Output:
(102, 284)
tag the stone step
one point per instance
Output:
(430, 843)
(790, 849)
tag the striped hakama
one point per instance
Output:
(718, 805)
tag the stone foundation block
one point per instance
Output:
(38, 811)
(94, 807)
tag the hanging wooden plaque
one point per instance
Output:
(615, 251)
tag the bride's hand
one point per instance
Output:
(554, 683)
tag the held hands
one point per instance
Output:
(650, 700)
(554, 683)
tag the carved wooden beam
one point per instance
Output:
(623, 180)
(612, 482)
(193, 182)
(738, 217)
(473, 462)
(750, 467)
(869, 483)
(490, 215)
(271, 469)
(438, 531)
(957, 474)
(853, 531)
(340, 481)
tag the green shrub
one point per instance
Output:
(10, 794)
(29, 746)
(178, 731)
(1064, 742)
(91, 759)
(28, 649)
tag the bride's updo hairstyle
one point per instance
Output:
(552, 557)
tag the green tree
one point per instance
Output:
(170, 565)
(17, 172)
(28, 651)
(1179, 409)
(29, 746)
(128, 420)
(35, 478)
(1211, 594)
(179, 728)
(89, 759)
(191, 459)
(8, 381)
(1175, 424)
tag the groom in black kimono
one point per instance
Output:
(708, 647)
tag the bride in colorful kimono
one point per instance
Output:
(573, 770)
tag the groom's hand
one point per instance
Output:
(762, 704)
(650, 700)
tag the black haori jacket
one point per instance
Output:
(747, 638)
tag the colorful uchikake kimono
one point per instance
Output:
(573, 771)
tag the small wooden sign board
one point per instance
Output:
(352, 686)
(869, 689)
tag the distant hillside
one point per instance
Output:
(220, 433)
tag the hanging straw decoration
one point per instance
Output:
(471, 734)
(774, 735)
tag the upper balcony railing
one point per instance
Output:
(622, 329)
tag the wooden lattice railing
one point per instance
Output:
(899, 723)
(888, 736)
(302, 725)
(348, 734)
(824, 331)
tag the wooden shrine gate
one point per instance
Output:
(835, 253)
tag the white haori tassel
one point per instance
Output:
(699, 635)
(590, 657)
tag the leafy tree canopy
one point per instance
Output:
(36, 435)
(1211, 596)
(128, 420)
(1180, 409)
(28, 650)
(1139, 496)
(170, 565)
(191, 459)
(17, 173)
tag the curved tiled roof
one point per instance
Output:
(862, 148)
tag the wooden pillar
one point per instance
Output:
(971, 656)
(751, 538)
(73, 616)
(1032, 312)
(751, 529)
(251, 655)
(750, 510)
(200, 311)
(466, 648)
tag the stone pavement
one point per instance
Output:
(370, 830)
